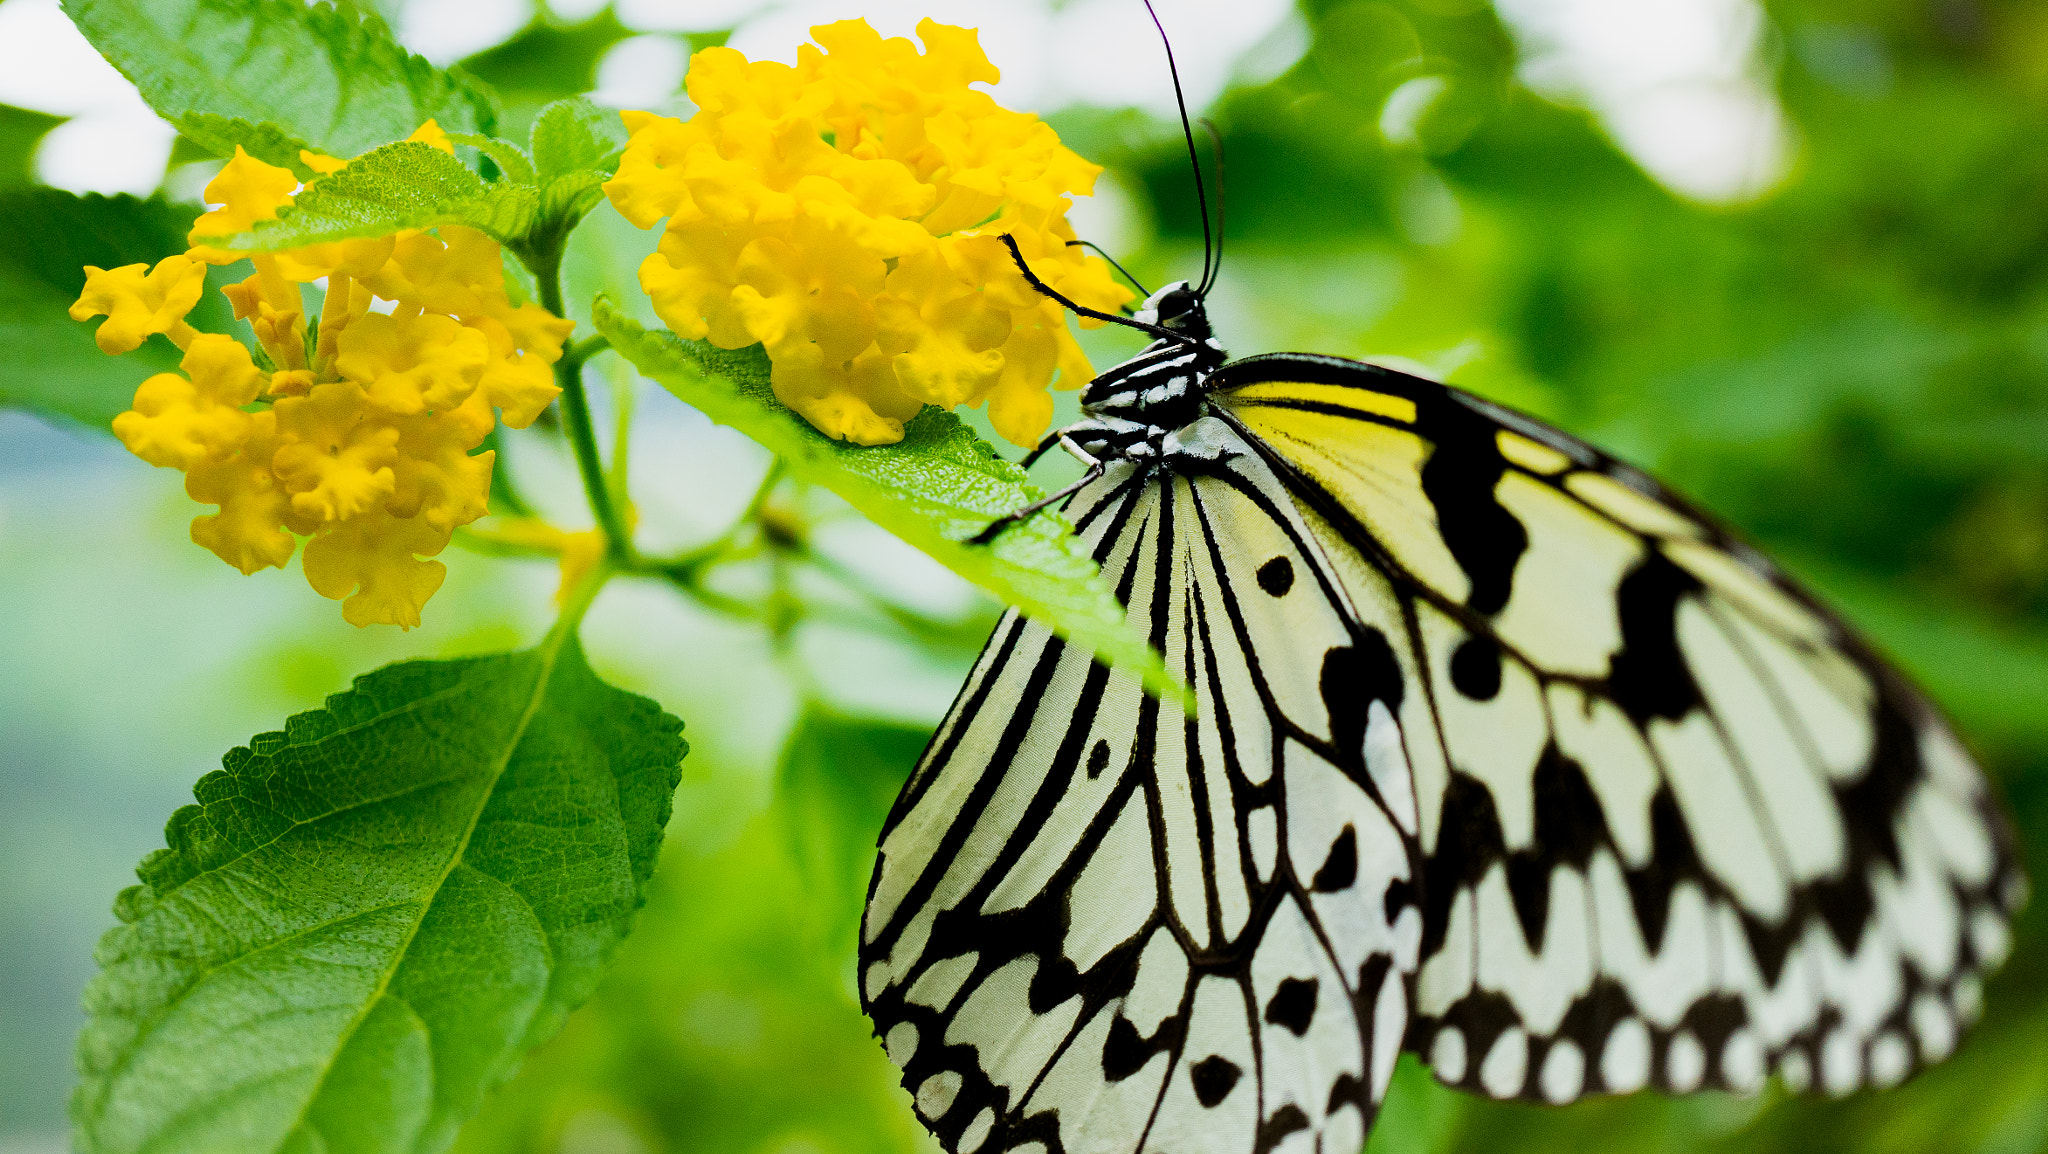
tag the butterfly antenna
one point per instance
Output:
(1216, 139)
(1164, 334)
(1089, 244)
(1187, 129)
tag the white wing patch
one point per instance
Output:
(1099, 924)
(1680, 828)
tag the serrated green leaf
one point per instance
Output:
(369, 917)
(53, 367)
(510, 158)
(402, 185)
(221, 135)
(575, 136)
(278, 75)
(570, 197)
(935, 489)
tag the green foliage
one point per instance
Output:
(53, 366)
(276, 76)
(546, 187)
(731, 1022)
(576, 148)
(547, 61)
(838, 778)
(20, 131)
(935, 489)
(573, 137)
(370, 916)
(402, 185)
(512, 160)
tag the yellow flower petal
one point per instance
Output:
(247, 190)
(336, 454)
(372, 565)
(459, 272)
(439, 481)
(407, 364)
(792, 190)
(649, 184)
(248, 530)
(179, 420)
(138, 300)
(430, 133)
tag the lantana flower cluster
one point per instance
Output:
(354, 428)
(847, 214)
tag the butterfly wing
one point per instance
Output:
(1679, 826)
(1099, 924)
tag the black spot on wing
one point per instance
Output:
(1284, 1121)
(1400, 895)
(1293, 1005)
(1871, 804)
(1570, 824)
(1475, 668)
(1124, 1052)
(1214, 1077)
(1649, 678)
(1459, 478)
(1468, 842)
(1276, 577)
(1098, 758)
(1340, 869)
(1353, 677)
(1673, 858)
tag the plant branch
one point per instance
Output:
(546, 265)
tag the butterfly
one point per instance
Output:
(1499, 753)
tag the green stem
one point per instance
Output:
(546, 266)
(578, 601)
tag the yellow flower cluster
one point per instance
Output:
(357, 429)
(847, 214)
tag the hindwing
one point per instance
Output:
(1679, 826)
(1100, 924)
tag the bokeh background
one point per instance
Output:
(1792, 255)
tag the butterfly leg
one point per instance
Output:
(1095, 467)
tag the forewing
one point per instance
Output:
(1101, 925)
(1680, 827)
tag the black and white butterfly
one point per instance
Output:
(1500, 753)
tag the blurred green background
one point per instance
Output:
(1792, 257)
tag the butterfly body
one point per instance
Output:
(1498, 753)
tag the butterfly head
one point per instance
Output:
(1178, 308)
(1164, 384)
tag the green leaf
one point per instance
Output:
(510, 158)
(839, 776)
(278, 75)
(575, 136)
(369, 917)
(935, 489)
(402, 185)
(53, 367)
(20, 131)
(575, 149)
(546, 61)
